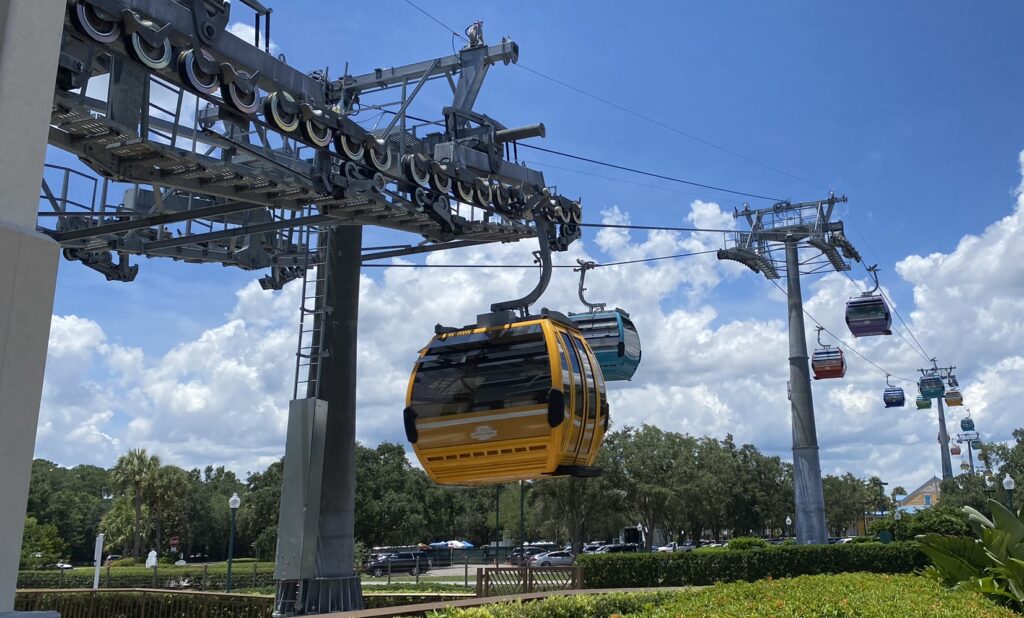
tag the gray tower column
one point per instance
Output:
(315, 568)
(810, 501)
(947, 466)
(29, 43)
(335, 555)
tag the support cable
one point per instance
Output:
(619, 263)
(669, 127)
(843, 341)
(616, 166)
(436, 20)
(924, 354)
(651, 174)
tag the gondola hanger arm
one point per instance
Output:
(586, 265)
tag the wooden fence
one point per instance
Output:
(499, 581)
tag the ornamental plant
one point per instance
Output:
(992, 563)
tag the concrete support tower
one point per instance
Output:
(806, 225)
(30, 33)
(808, 492)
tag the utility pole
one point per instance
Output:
(805, 225)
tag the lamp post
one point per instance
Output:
(897, 515)
(1009, 484)
(789, 522)
(233, 503)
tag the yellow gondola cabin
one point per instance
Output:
(507, 402)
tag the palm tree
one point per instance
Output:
(166, 487)
(132, 474)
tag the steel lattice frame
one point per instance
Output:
(235, 184)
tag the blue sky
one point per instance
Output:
(911, 109)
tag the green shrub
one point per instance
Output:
(187, 576)
(698, 568)
(742, 543)
(992, 563)
(865, 539)
(146, 603)
(126, 562)
(835, 596)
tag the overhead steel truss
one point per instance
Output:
(807, 223)
(225, 153)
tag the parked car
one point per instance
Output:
(112, 558)
(552, 558)
(590, 548)
(674, 547)
(63, 566)
(845, 540)
(413, 562)
(521, 556)
(616, 548)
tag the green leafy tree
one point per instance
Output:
(846, 499)
(41, 545)
(133, 474)
(390, 505)
(261, 504)
(165, 496)
(966, 490)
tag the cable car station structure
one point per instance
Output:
(271, 170)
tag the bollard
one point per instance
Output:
(61, 584)
(253, 574)
(155, 568)
(108, 576)
(465, 579)
(203, 585)
(389, 570)
(417, 570)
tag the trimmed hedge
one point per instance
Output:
(836, 596)
(188, 576)
(704, 568)
(146, 603)
(743, 543)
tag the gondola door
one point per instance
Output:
(576, 413)
(589, 417)
(570, 378)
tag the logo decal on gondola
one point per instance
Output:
(484, 432)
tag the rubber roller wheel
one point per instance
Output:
(417, 175)
(501, 199)
(484, 193)
(576, 213)
(236, 97)
(464, 192)
(89, 22)
(285, 121)
(320, 135)
(380, 158)
(191, 74)
(421, 197)
(441, 182)
(156, 57)
(348, 148)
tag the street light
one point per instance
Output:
(233, 503)
(1009, 484)
(789, 522)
